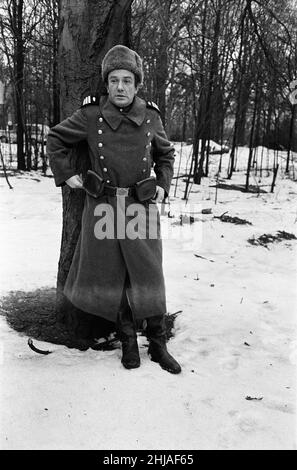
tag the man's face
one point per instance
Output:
(121, 87)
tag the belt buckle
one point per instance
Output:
(122, 192)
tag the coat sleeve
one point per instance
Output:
(163, 156)
(60, 139)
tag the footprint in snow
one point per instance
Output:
(229, 363)
(278, 406)
(248, 421)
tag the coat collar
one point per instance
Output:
(113, 116)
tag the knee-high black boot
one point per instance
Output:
(156, 334)
(128, 337)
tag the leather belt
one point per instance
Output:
(116, 191)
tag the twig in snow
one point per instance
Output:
(107, 345)
(217, 185)
(178, 171)
(275, 170)
(253, 398)
(222, 215)
(199, 256)
(233, 220)
(37, 350)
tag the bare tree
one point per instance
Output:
(18, 23)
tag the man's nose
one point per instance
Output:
(120, 85)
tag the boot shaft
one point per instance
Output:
(128, 337)
(156, 334)
(156, 328)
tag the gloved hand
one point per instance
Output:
(75, 182)
(159, 196)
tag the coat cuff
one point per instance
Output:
(61, 179)
(163, 185)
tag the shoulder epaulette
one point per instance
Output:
(151, 104)
(90, 99)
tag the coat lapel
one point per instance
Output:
(137, 112)
(111, 114)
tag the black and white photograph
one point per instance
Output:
(148, 208)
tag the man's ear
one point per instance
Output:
(138, 86)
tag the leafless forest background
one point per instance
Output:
(218, 69)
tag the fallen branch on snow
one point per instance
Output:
(253, 398)
(199, 256)
(232, 220)
(37, 350)
(267, 238)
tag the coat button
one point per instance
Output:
(101, 157)
(144, 159)
(105, 169)
(148, 121)
(148, 134)
(99, 131)
(107, 181)
(100, 119)
(144, 170)
(100, 144)
(147, 146)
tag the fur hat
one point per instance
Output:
(121, 57)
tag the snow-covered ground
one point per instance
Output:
(235, 338)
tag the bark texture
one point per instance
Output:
(19, 59)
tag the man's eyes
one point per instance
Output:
(127, 81)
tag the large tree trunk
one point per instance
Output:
(55, 71)
(88, 29)
(18, 11)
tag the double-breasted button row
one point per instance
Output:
(148, 133)
(100, 145)
(146, 146)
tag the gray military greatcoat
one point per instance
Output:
(124, 147)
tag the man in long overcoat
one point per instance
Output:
(116, 271)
